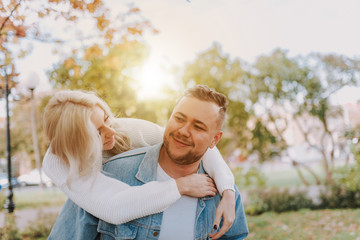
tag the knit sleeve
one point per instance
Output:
(217, 168)
(143, 133)
(109, 199)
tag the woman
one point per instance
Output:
(80, 126)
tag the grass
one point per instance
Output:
(303, 224)
(306, 224)
(290, 178)
(35, 198)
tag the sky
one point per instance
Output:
(245, 29)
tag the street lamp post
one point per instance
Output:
(32, 82)
(9, 204)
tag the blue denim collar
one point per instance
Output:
(147, 169)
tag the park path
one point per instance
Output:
(24, 216)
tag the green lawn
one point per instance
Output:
(35, 198)
(290, 178)
(306, 224)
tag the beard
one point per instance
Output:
(185, 159)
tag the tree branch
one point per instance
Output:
(8, 17)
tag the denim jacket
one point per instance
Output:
(135, 168)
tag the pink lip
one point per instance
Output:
(109, 142)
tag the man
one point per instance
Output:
(194, 126)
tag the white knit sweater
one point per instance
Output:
(116, 202)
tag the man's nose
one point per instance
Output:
(185, 130)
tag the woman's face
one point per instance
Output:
(103, 125)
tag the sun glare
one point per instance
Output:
(152, 80)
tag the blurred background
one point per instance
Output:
(290, 69)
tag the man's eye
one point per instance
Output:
(179, 119)
(198, 127)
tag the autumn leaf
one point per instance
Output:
(77, 71)
(91, 7)
(69, 63)
(20, 31)
(92, 52)
(102, 22)
(41, 14)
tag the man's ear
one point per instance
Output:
(216, 139)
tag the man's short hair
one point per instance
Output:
(204, 93)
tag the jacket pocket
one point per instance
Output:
(119, 232)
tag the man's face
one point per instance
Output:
(191, 130)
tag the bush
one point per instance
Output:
(277, 200)
(251, 178)
(344, 191)
(2, 199)
(348, 176)
(40, 228)
(10, 231)
(339, 195)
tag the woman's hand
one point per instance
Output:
(196, 185)
(225, 210)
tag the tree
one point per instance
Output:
(295, 93)
(216, 70)
(25, 21)
(105, 73)
(278, 96)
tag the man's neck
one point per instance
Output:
(176, 170)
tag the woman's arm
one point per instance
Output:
(142, 133)
(217, 168)
(101, 195)
(116, 202)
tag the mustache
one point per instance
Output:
(181, 138)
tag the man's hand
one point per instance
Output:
(225, 210)
(196, 185)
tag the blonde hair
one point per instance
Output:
(72, 135)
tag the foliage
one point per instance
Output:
(26, 20)
(2, 198)
(277, 200)
(339, 196)
(10, 231)
(36, 199)
(104, 73)
(216, 70)
(278, 95)
(348, 176)
(344, 190)
(248, 179)
(294, 95)
(20, 133)
(95, 58)
(40, 228)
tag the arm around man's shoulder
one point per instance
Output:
(239, 230)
